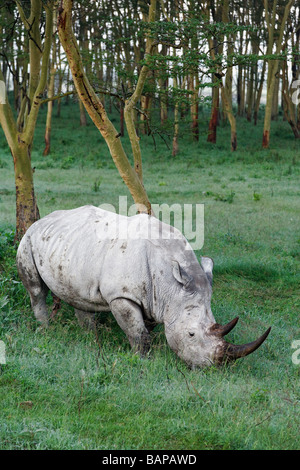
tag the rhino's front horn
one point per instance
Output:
(234, 351)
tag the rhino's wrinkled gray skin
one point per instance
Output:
(140, 269)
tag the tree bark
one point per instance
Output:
(259, 93)
(213, 122)
(226, 91)
(288, 105)
(50, 93)
(82, 114)
(232, 121)
(176, 119)
(194, 107)
(26, 206)
(250, 93)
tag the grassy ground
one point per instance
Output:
(65, 388)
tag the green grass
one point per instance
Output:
(63, 388)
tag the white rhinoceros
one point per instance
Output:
(138, 268)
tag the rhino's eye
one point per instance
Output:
(191, 334)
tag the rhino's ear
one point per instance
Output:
(207, 265)
(180, 274)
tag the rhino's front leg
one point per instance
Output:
(129, 317)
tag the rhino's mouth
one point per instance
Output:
(229, 352)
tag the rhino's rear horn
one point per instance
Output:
(222, 330)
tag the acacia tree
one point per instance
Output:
(96, 110)
(19, 132)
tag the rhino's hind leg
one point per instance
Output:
(130, 318)
(34, 284)
(38, 302)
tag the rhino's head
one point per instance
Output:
(191, 329)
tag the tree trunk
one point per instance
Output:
(176, 116)
(212, 127)
(194, 108)
(216, 47)
(82, 114)
(49, 113)
(146, 104)
(259, 93)
(240, 78)
(274, 114)
(250, 93)
(26, 207)
(48, 129)
(270, 94)
(232, 121)
(176, 124)
(122, 119)
(239, 89)
(243, 95)
(288, 105)
(176, 131)
(50, 90)
(19, 133)
(163, 85)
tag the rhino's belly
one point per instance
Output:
(88, 300)
(79, 289)
(85, 305)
